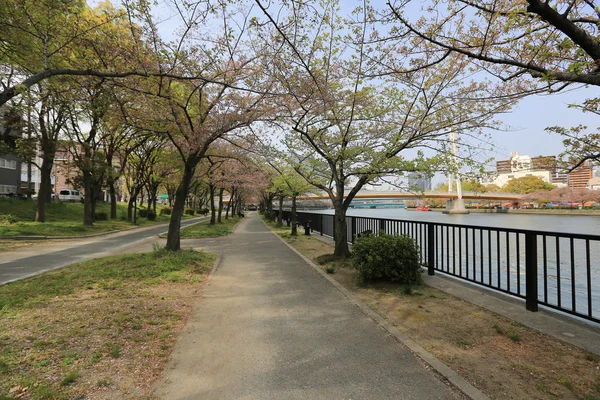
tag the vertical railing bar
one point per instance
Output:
(460, 259)
(558, 271)
(518, 264)
(474, 256)
(498, 258)
(573, 297)
(448, 249)
(453, 250)
(545, 256)
(589, 276)
(507, 262)
(481, 255)
(489, 231)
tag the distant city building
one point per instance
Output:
(579, 177)
(594, 183)
(560, 179)
(519, 163)
(419, 180)
(519, 166)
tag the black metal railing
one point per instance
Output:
(554, 269)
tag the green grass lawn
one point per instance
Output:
(103, 325)
(64, 219)
(205, 229)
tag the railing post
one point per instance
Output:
(531, 278)
(382, 225)
(430, 248)
(334, 227)
(353, 228)
(321, 224)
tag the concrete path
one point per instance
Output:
(26, 262)
(270, 327)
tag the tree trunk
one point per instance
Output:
(294, 217)
(88, 219)
(280, 213)
(173, 235)
(270, 208)
(94, 203)
(113, 199)
(341, 235)
(29, 180)
(45, 190)
(130, 208)
(211, 198)
(220, 204)
(230, 205)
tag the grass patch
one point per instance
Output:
(465, 343)
(514, 336)
(69, 378)
(205, 229)
(61, 329)
(499, 329)
(108, 273)
(63, 219)
(566, 382)
(330, 270)
(326, 259)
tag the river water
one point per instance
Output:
(568, 269)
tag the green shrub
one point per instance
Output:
(151, 216)
(7, 219)
(101, 216)
(190, 211)
(142, 212)
(387, 257)
(165, 211)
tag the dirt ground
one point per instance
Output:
(502, 358)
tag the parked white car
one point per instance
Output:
(70, 195)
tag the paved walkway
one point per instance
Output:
(26, 262)
(270, 327)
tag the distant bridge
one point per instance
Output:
(380, 195)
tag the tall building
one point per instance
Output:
(579, 177)
(419, 180)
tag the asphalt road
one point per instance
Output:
(268, 326)
(28, 262)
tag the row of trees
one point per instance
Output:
(564, 195)
(339, 98)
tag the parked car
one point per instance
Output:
(70, 195)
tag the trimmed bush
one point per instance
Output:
(190, 211)
(101, 216)
(165, 211)
(387, 257)
(151, 216)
